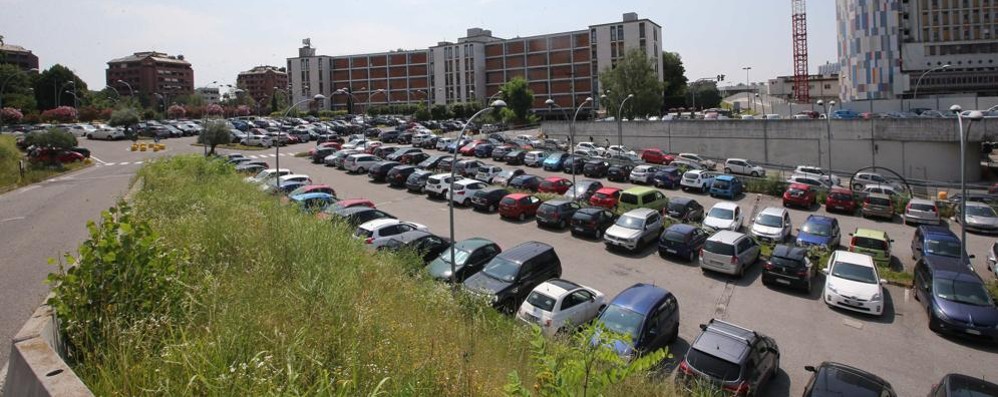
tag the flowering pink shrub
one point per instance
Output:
(243, 110)
(214, 110)
(176, 112)
(11, 115)
(62, 114)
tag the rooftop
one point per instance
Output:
(157, 56)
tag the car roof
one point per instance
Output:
(819, 219)
(525, 251)
(517, 196)
(608, 190)
(870, 233)
(938, 231)
(855, 372)
(854, 258)
(799, 186)
(681, 200)
(312, 195)
(640, 212)
(773, 211)
(725, 205)
(412, 235)
(638, 190)
(976, 204)
(442, 175)
(473, 243)
(640, 298)
(736, 159)
(379, 223)
(557, 287)
(726, 236)
(790, 252)
(726, 341)
(950, 268)
(466, 182)
(555, 179)
(724, 178)
(968, 382)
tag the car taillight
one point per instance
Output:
(685, 368)
(769, 266)
(369, 240)
(802, 272)
(701, 253)
(907, 207)
(740, 389)
(547, 323)
(734, 260)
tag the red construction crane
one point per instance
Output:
(799, 17)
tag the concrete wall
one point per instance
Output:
(887, 105)
(917, 148)
(35, 367)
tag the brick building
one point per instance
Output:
(261, 82)
(150, 73)
(19, 56)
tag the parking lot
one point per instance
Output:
(897, 346)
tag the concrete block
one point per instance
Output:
(35, 367)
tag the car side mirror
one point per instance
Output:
(703, 327)
(824, 271)
(971, 256)
(883, 281)
(810, 368)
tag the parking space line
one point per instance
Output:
(852, 323)
(123, 163)
(137, 163)
(98, 160)
(110, 163)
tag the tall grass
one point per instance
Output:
(10, 176)
(281, 303)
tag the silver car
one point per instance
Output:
(633, 229)
(980, 217)
(921, 211)
(729, 253)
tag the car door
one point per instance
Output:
(787, 224)
(738, 218)
(836, 234)
(917, 244)
(923, 283)
(572, 311)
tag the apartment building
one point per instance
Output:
(561, 66)
(260, 82)
(18, 56)
(151, 73)
(208, 95)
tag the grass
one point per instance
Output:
(10, 176)
(993, 289)
(280, 303)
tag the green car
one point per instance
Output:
(470, 256)
(874, 243)
(641, 197)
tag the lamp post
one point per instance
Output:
(748, 92)
(496, 106)
(571, 132)
(828, 129)
(972, 116)
(377, 91)
(3, 88)
(346, 90)
(914, 95)
(620, 121)
(58, 98)
(762, 105)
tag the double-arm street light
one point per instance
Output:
(828, 129)
(58, 98)
(348, 91)
(971, 116)
(620, 121)
(914, 95)
(496, 106)
(3, 88)
(571, 133)
(131, 92)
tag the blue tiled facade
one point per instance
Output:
(868, 49)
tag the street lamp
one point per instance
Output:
(496, 106)
(620, 121)
(370, 95)
(748, 92)
(58, 98)
(762, 105)
(131, 92)
(277, 145)
(973, 115)
(828, 129)
(571, 133)
(914, 95)
(3, 87)
(347, 91)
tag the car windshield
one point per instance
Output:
(721, 213)
(923, 207)
(501, 269)
(817, 229)
(361, 232)
(717, 247)
(869, 243)
(943, 248)
(713, 366)
(721, 184)
(460, 256)
(971, 293)
(854, 272)
(630, 222)
(541, 301)
(832, 378)
(981, 211)
(840, 196)
(769, 220)
(622, 321)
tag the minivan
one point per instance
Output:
(729, 252)
(510, 276)
(641, 197)
(874, 243)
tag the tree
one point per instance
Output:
(17, 93)
(422, 114)
(62, 114)
(519, 99)
(214, 110)
(215, 133)
(674, 80)
(52, 138)
(52, 84)
(707, 96)
(125, 117)
(440, 112)
(634, 74)
(88, 113)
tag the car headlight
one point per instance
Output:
(876, 297)
(939, 313)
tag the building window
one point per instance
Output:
(613, 34)
(641, 30)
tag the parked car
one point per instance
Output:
(955, 298)
(574, 164)
(316, 188)
(921, 211)
(467, 168)
(861, 179)
(399, 174)
(445, 164)
(416, 182)
(789, 266)
(595, 168)
(936, 241)
(821, 231)
(556, 213)
(534, 158)
(634, 229)
(470, 256)
(642, 197)
(438, 185)
(698, 179)
(875, 243)
(682, 241)
(619, 172)
(772, 224)
(356, 215)
(743, 167)
(555, 184)
(487, 172)
(799, 195)
(518, 206)
(484, 150)
(852, 282)
(427, 245)
(487, 200)
(359, 163)
(559, 306)
(957, 385)
(980, 217)
(656, 156)
(432, 162)
(592, 221)
(724, 216)
(509, 277)
(52, 156)
(811, 181)
(379, 171)
(878, 205)
(605, 197)
(526, 182)
(583, 190)
(726, 186)
(890, 191)
(668, 177)
(738, 360)
(504, 177)
(515, 157)
(554, 161)
(696, 158)
(840, 199)
(684, 209)
(643, 174)
(818, 173)
(378, 229)
(834, 379)
(647, 313)
(464, 190)
(729, 252)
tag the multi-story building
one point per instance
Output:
(19, 56)
(829, 68)
(208, 95)
(150, 73)
(261, 82)
(821, 87)
(562, 66)
(886, 46)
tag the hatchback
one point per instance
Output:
(741, 361)
(642, 197)
(559, 306)
(526, 182)
(467, 168)
(683, 241)
(643, 174)
(469, 256)
(684, 209)
(605, 197)
(980, 217)
(729, 253)
(619, 172)
(487, 200)
(398, 175)
(583, 190)
(514, 157)
(379, 171)
(425, 244)
(726, 186)
(647, 313)
(465, 189)
(595, 168)
(518, 206)
(921, 211)
(534, 158)
(554, 161)
(574, 164)
(487, 172)
(416, 182)
(509, 277)
(874, 243)
(878, 205)
(821, 231)
(592, 221)
(356, 215)
(852, 282)
(668, 177)
(656, 156)
(556, 213)
(724, 216)
(799, 195)
(834, 379)
(789, 266)
(772, 224)
(957, 385)
(840, 199)
(378, 229)
(438, 185)
(933, 241)
(431, 162)
(955, 299)
(555, 184)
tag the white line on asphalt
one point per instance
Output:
(252, 156)
(98, 160)
(272, 155)
(906, 293)
(16, 218)
(852, 323)
(3, 376)
(110, 163)
(137, 163)
(123, 163)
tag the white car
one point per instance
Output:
(80, 130)
(437, 185)
(106, 132)
(534, 158)
(689, 164)
(559, 305)
(465, 189)
(587, 146)
(360, 162)
(633, 229)
(643, 174)
(772, 224)
(810, 180)
(853, 283)
(743, 167)
(889, 190)
(724, 216)
(355, 144)
(619, 150)
(442, 143)
(271, 184)
(487, 172)
(373, 232)
(267, 174)
(708, 164)
(257, 140)
(817, 173)
(697, 179)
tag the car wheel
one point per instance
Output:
(492, 208)
(522, 216)
(561, 225)
(692, 257)
(857, 187)
(90, 136)
(599, 234)
(507, 307)
(466, 203)
(727, 170)
(755, 174)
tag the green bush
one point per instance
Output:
(51, 138)
(9, 157)
(771, 185)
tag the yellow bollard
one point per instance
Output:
(155, 148)
(162, 146)
(142, 147)
(135, 147)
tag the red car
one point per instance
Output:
(518, 206)
(799, 195)
(347, 203)
(656, 156)
(554, 184)
(469, 149)
(334, 145)
(370, 146)
(319, 188)
(840, 199)
(606, 197)
(46, 155)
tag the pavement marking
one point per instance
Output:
(907, 292)
(3, 376)
(98, 160)
(137, 163)
(721, 305)
(110, 163)
(28, 188)
(252, 156)
(16, 218)
(852, 323)
(123, 163)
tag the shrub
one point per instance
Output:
(771, 185)
(61, 114)
(89, 113)
(215, 133)
(11, 115)
(150, 114)
(176, 112)
(51, 138)
(214, 110)
(105, 114)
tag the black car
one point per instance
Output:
(432, 162)
(500, 152)
(371, 133)
(789, 266)
(469, 257)
(379, 171)
(404, 138)
(583, 190)
(413, 158)
(574, 164)
(427, 245)
(321, 154)
(487, 199)
(467, 168)
(526, 182)
(592, 221)
(733, 357)
(417, 181)
(838, 380)
(355, 216)
(509, 277)
(595, 168)
(515, 157)
(556, 213)
(619, 172)
(684, 209)
(398, 175)
(484, 150)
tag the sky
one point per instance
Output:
(223, 37)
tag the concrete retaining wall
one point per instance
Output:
(920, 149)
(35, 368)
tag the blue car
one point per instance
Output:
(819, 230)
(668, 177)
(683, 241)
(726, 186)
(845, 114)
(555, 161)
(313, 202)
(290, 186)
(955, 299)
(936, 241)
(649, 314)
(454, 146)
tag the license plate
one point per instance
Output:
(578, 229)
(671, 251)
(973, 332)
(782, 281)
